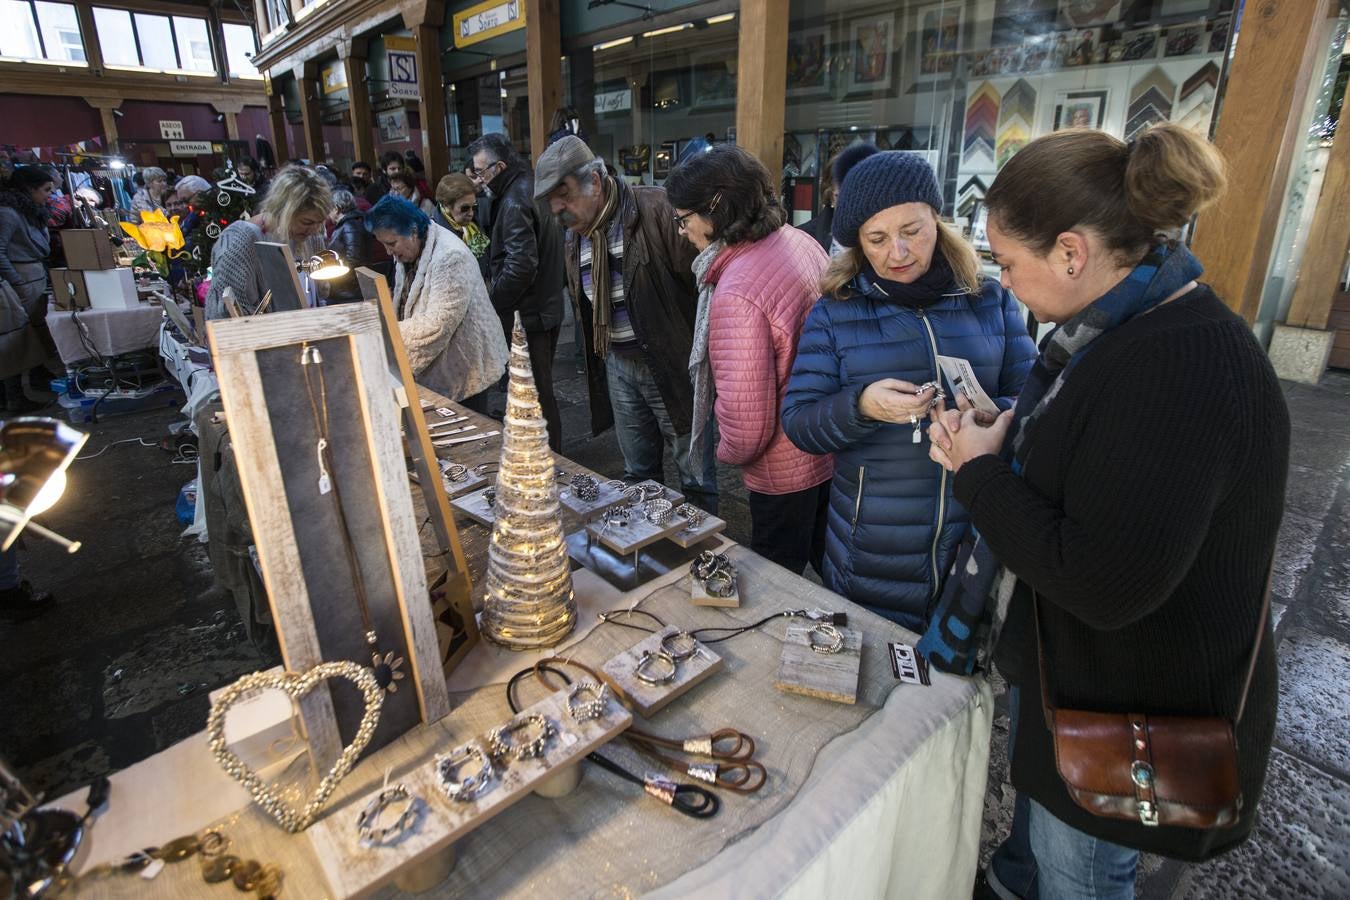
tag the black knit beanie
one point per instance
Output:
(870, 180)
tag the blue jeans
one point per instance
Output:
(1045, 859)
(644, 429)
(9, 567)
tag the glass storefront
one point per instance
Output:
(968, 84)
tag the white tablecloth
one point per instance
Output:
(108, 331)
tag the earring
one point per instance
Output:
(1070, 270)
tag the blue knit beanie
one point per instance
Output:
(870, 180)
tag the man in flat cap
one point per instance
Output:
(630, 276)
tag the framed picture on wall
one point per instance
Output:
(939, 40)
(1085, 13)
(871, 57)
(714, 83)
(1080, 109)
(807, 62)
(1185, 40)
(393, 125)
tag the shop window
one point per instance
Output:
(145, 41)
(40, 30)
(657, 93)
(967, 85)
(239, 49)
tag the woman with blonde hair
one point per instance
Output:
(151, 197)
(293, 212)
(1129, 506)
(905, 290)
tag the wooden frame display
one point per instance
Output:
(298, 530)
(456, 626)
(280, 275)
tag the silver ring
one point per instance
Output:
(688, 645)
(471, 786)
(833, 639)
(695, 516)
(710, 563)
(586, 710)
(457, 473)
(490, 496)
(502, 743)
(584, 488)
(366, 822)
(650, 656)
(658, 512)
(720, 584)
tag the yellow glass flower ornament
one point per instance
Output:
(156, 232)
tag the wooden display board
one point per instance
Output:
(297, 529)
(456, 626)
(356, 871)
(829, 676)
(280, 276)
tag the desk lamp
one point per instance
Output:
(34, 456)
(324, 266)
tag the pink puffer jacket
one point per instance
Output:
(763, 292)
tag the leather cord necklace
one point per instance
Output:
(387, 666)
(731, 630)
(739, 772)
(689, 799)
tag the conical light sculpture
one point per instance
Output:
(529, 602)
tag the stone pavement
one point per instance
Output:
(1301, 846)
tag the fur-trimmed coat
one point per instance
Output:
(454, 339)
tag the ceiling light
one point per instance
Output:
(671, 30)
(718, 20)
(615, 43)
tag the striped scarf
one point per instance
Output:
(965, 625)
(599, 238)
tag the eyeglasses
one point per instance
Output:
(682, 221)
(469, 207)
(480, 173)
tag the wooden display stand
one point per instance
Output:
(456, 626)
(829, 676)
(356, 871)
(474, 503)
(648, 699)
(700, 597)
(297, 529)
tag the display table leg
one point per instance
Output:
(561, 783)
(427, 874)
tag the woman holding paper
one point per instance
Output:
(905, 290)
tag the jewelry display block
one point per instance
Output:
(829, 676)
(472, 482)
(688, 537)
(648, 699)
(474, 503)
(638, 533)
(700, 597)
(297, 527)
(587, 510)
(356, 871)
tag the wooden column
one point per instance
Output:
(93, 52)
(354, 58)
(232, 126)
(761, 80)
(543, 61)
(276, 117)
(307, 79)
(1281, 44)
(424, 19)
(105, 107)
(1328, 238)
(230, 109)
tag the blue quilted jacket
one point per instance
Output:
(893, 524)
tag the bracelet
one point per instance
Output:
(366, 822)
(456, 473)
(695, 516)
(833, 640)
(658, 512)
(593, 708)
(500, 742)
(485, 468)
(720, 584)
(687, 641)
(660, 656)
(616, 516)
(490, 496)
(471, 786)
(584, 488)
(709, 564)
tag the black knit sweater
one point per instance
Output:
(1146, 520)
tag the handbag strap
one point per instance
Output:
(1049, 710)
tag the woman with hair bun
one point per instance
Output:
(1129, 505)
(904, 290)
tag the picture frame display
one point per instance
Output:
(939, 30)
(714, 85)
(808, 62)
(872, 54)
(1080, 109)
(1185, 40)
(1085, 13)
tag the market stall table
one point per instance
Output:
(879, 798)
(86, 333)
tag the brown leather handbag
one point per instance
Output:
(1155, 770)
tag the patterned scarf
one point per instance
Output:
(700, 366)
(599, 238)
(965, 625)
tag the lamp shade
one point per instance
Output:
(326, 265)
(34, 455)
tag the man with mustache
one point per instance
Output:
(630, 276)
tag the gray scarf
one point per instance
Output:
(700, 367)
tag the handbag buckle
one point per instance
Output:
(1148, 813)
(1141, 773)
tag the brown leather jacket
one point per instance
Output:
(659, 290)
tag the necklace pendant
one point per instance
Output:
(325, 484)
(918, 434)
